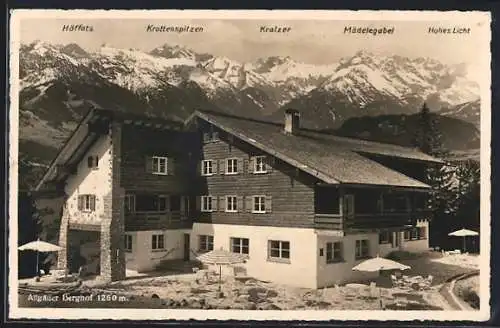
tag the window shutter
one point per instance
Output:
(269, 160)
(240, 165)
(149, 164)
(248, 203)
(80, 203)
(215, 203)
(222, 166)
(222, 203)
(268, 204)
(199, 167)
(90, 161)
(198, 203)
(239, 203)
(92, 203)
(171, 166)
(215, 166)
(251, 165)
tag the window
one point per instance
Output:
(259, 204)
(208, 167)
(362, 249)
(206, 204)
(86, 203)
(385, 237)
(150, 203)
(129, 203)
(128, 243)
(206, 243)
(158, 242)
(232, 166)
(260, 164)
(240, 245)
(334, 252)
(93, 162)
(231, 204)
(159, 165)
(279, 250)
(211, 136)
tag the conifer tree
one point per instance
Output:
(428, 139)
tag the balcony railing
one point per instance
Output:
(367, 221)
(329, 221)
(143, 219)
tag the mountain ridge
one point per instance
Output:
(60, 82)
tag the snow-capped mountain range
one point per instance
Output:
(60, 82)
(362, 79)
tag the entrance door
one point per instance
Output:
(186, 247)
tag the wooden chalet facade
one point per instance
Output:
(304, 206)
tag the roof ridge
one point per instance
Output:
(305, 129)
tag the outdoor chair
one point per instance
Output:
(396, 282)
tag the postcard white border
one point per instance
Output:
(311, 315)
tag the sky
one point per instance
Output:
(309, 41)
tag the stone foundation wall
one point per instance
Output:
(113, 221)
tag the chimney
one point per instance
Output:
(292, 121)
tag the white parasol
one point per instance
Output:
(463, 233)
(379, 264)
(39, 246)
(221, 257)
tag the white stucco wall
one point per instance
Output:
(144, 258)
(301, 271)
(91, 181)
(330, 274)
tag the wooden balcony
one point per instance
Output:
(329, 221)
(157, 220)
(368, 221)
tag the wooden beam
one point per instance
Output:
(65, 169)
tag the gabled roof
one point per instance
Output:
(83, 138)
(332, 159)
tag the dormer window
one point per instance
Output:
(93, 162)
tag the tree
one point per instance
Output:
(428, 138)
(468, 191)
(28, 230)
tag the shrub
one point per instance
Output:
(471, 297)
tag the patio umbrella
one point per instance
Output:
(379, 264)
(463, 233)
(221, 257)
(39, 246)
